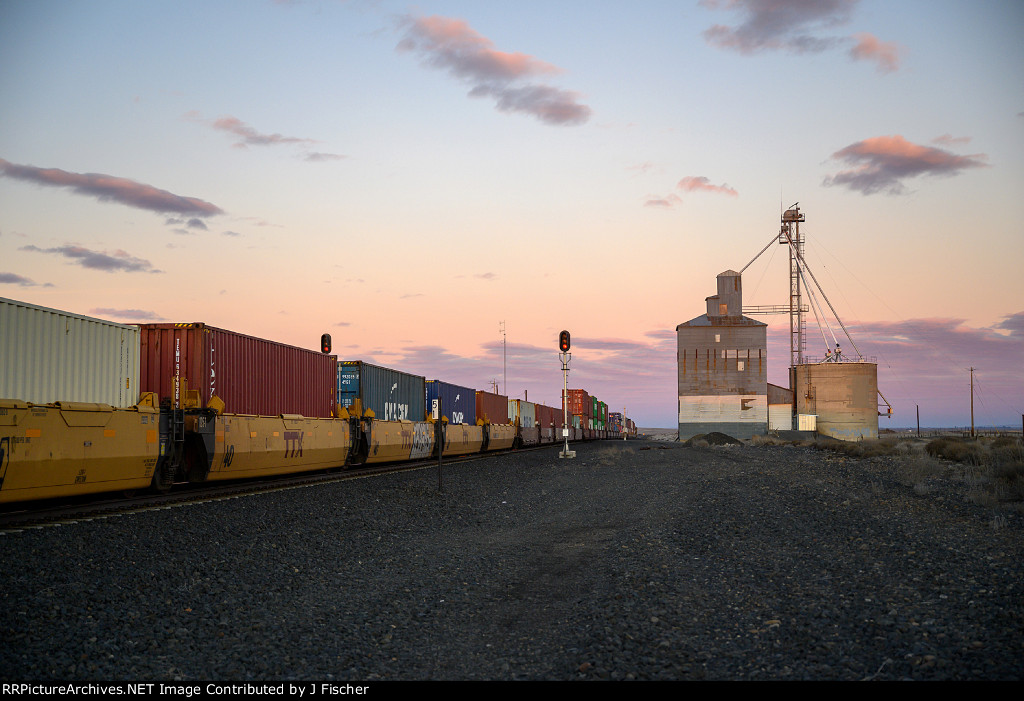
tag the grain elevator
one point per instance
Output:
(723, 367)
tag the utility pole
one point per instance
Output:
(972, 402)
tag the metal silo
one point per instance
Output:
(723, 367)
(842, 395)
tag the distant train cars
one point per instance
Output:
(90, 406)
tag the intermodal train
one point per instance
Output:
(174, 432)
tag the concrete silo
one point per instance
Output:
(723, 367)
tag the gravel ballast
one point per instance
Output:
(643, 560)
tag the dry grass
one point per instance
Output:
(991, 470)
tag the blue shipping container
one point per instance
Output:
(391, 394)
(457, 403)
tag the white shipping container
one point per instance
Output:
(523, 412)
(49, 356)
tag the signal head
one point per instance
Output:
(563, 341)
(325, 343)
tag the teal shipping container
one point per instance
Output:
(393, 395)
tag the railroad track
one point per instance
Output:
(21, 516)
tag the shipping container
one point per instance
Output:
(545, 415)
(458, 404)
(393, 395)
(579, 402)
(50, 356)
(492, 408)
(559, 415)
(522, 413)
(250, 375)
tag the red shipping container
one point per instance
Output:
(580, 403)
(492, 408)
(251, 375)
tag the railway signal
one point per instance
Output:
(563, 345)
(325, 343)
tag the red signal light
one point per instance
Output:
(563, 341)
(325, 343)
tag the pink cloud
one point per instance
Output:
(793, 25)
(869, 48)
(248, 135)
(126, 314)
(108, 188)
(882, 163)
(453, 46)
(691, 183)
(666, 202)
(701, 184)
(15, 279)
(950, 140)
(118, 261)
(797, 26)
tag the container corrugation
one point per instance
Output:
(393, 395)
(579, 402)
(559, 416)
(251, 375)
(522, 412)
(492, 408)
(457, 403)
(47, 355)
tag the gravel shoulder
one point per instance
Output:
(642, 560)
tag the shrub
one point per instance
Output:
(937, 447)
(969, 453)
(957, 450)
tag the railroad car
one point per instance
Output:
(175, 433)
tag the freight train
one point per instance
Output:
(217, 405)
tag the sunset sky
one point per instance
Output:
(411, 177)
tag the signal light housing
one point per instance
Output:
(563, 341)
(325, 343)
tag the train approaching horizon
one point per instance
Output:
(90, 406)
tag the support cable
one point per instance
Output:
(789, 239)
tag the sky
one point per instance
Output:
(444, 186)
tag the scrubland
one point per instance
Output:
(988, 471)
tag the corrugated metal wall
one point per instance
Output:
(251, 375)
(47, 355)
(844, 396)
(723, 380)
(723, 368)
(457, 403)
(492, 408)
(391, 394)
